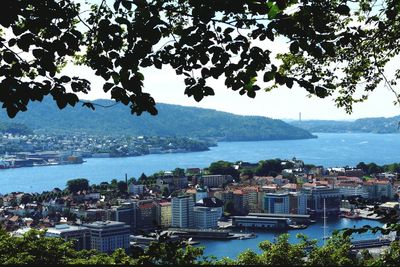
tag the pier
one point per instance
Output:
(370, 243)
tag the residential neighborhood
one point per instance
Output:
(19, 150)
(113, 215)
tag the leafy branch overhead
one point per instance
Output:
(332, 47)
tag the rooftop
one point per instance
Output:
(63, 228)
(104, 224)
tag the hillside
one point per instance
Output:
(172, 120)
(365, 125)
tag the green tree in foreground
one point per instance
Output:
(337, 48)
(34, 248)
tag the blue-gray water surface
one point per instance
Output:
(329, 150)
(232, 248)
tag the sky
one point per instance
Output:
(281, 103)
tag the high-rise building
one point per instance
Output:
(276, 203)
(107, 236)
(125, 213)
(315, 198)
(297, 203)
(206, 217)
(182, 212)
(164, 214)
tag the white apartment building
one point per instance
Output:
(182, 212)
(206, 217)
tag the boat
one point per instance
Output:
(350, 214)
(298, 226)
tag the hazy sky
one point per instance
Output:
(281, 103)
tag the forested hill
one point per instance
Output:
(365, 125)
(172, 120)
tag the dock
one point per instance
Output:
(365, 214)
(370, 243)
(198, 234)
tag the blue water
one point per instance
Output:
(329, 150)
(232, 248)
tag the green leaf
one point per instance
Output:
(343, 10)
(269, 76)
(294, 48)
(127, 4)
(107, 87)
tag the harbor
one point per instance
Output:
(209, 234)
(356, 214)
(314, 231)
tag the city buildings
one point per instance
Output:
(215, 180)
(206, 217)
(297, 203)
(164, 214)
(207, 212)
(276, 203)
(316, 193)
(201, 193)
(107, 236)
(182, 212)
(135, 189)
(80, 235)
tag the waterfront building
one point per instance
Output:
(164, 214)
(107, 236)
(260, 222)
(378, 189)
(79, 234)
(239, 202)
(206, 217)
(316, 193)
(350, 189)
(250, 195)
(182, 212)
(214, 203)
(135, 189)
(276, 203)
(260, 201)
(297, 203)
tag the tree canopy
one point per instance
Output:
(35, 248)
(336, 47)
(76, 185)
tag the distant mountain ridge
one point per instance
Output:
(364, 125)
(172, 120)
